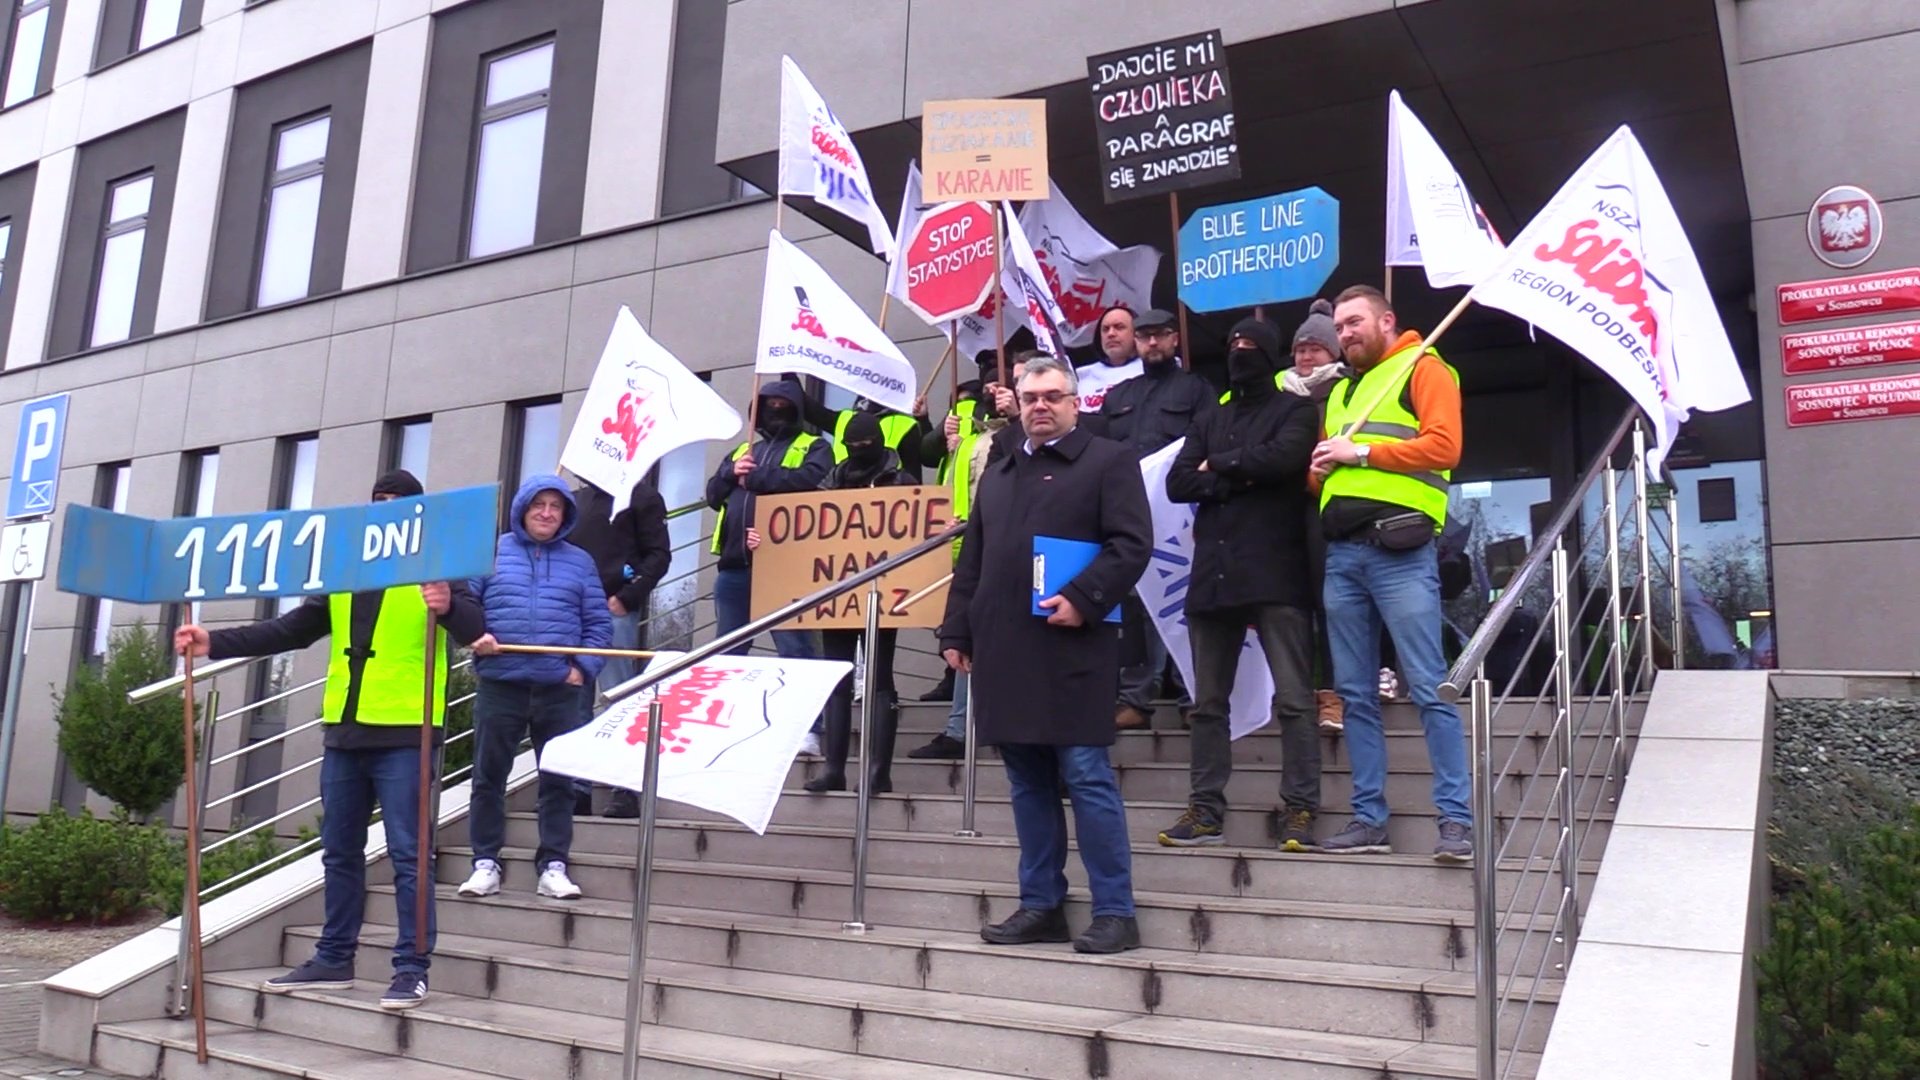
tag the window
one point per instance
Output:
(114, 243)
(536, 446)
(16, 200)
(509, 113)
(121, 247)
(110, 491)
(408, 442)
(513, 135)
(689, 180)
(6, 241)
(286, 203)
(27, 50)
(159, 20)
(131, 26)
(292, 211)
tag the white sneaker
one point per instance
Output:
(555, 883)
(810, 746)
(485, 880)
(1389, 684)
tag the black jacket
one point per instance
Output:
(910, 450)
(768, 477)
(464, 622)
(1151, 410)
(1249, 527)
(850, 474)
(631, 548)
(1035, 682)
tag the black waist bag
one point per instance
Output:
(1402, 532)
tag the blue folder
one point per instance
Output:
(1057, 562)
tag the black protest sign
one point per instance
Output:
(1163, 114)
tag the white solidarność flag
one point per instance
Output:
(1025, 284)
(1432, 220)
(1085, 271)
(808, 325)
(642, 405)
(910, 213)
(818, 158)
(1606, 268)
(1163, 589)
(729, 728)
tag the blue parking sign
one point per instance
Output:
(36, 457)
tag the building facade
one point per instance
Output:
(274, 248)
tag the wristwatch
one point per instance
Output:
(1363, 451)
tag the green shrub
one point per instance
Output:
(460, 684)
(80, 869)
(132, 754)
(222, 864)
(1840, 981)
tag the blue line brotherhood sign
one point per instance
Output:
(1262, 251)
(440, 537)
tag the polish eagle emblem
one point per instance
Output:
(1843, 228)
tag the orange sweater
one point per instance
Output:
(1436, 401)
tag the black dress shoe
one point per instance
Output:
(1109, 934)
(942, 748)
(1026, 926)
(624, 804)
(942, 690)
(827, 782)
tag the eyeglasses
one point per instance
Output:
(1050, 397)
(1155, 332)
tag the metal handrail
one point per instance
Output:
(1559, 795)
(1477, 648)
(141, 695)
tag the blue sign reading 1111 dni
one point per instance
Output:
(439, 537)
(1262, 251)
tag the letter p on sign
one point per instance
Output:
(36, 457)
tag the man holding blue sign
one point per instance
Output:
(371, 714)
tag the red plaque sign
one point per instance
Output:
(1853, 399)
(1811, 351)
(1862, 294)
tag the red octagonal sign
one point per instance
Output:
(949, 261)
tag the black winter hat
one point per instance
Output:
(400, 484)
(1264, 335)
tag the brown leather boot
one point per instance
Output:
(1333, 711)
(1128, 718)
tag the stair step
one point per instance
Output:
(1413, 1004)
(1263, 873)
(1389, 933)
(164, 1048)
(1247, 826)
(1055, 1042)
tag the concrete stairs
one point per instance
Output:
(1259, 963)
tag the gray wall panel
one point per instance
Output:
(274, 392)
(356, 387)
(502, 351)
(1848, 606)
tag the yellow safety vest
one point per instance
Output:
(1279, 383)
(393, 678)
(894, 429)
(957, 469)
(1391, 422)
(795, 454)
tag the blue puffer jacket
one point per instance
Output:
(542, 594)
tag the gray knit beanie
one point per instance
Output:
(1318, 329)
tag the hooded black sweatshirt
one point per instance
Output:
(769, 475)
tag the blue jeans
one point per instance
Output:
(626, 635)
(503, 714)
(733, 600)
(350, 782)
(1368, 586)
(1040, 776)
(957, 716)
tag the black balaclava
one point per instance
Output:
(400, 484)
(866, 449)
(778, 416)
(1251, 371)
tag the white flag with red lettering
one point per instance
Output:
(818, 158)
(1606, 268)
(1432, 220)
(1026, 285)
(729, 729)
(808, 324)
(642, 405)
(1085, 271)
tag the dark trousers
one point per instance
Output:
(503, 714)
(351, 781)
(838, 734)
(1285, 635)
(1040, 776)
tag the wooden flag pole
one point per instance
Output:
(753, 403)
(1180, 308)
(423, 875)
(569, 650)
(1388, 290)
(190, 918)
(953, 373)
(999, 298)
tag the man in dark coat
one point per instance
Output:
(633, 551)
(1246, 468)
(1147, 413)
(1043, 682)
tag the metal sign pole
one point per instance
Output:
(642, 894)
(863, 805)
(16, 670)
